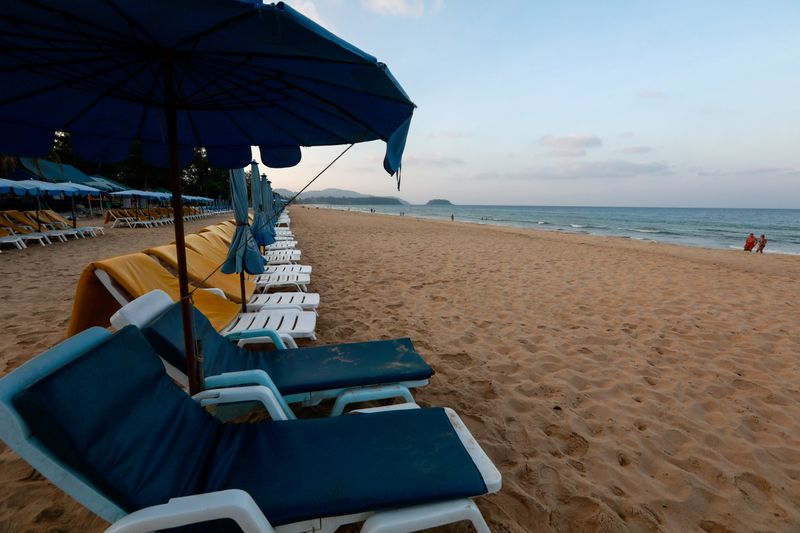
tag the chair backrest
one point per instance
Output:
(138, 274)
(99, 417)
(142, 310)
(204, 271)
(16, 433)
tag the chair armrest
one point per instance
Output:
(260, 334)
(368, 394)
(253, 393)
(249, 377)
(233, 503)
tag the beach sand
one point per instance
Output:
(618, 385)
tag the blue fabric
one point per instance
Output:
(293, 371)
(261, 229)
(20, 188)
(96, 69)
(243, 254)
(270, 216)
(52, 171)
(115, 416)
(111, 413)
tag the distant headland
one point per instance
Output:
(438, 201)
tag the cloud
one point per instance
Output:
(636, 150)
(449, 134)
(403, 8)
(779, 172)
(603, 169)
(309, 9)
(650, 94)
(570, 145)
(627, 134)
(433, 160)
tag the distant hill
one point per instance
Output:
(438, 201)
(341, 197)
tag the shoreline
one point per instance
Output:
(570, 234)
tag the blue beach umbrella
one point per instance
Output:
(257, 227)
(270, 211)
(243, 255)
(178, 74)
(18, 188)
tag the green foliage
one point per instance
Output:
(198, 178)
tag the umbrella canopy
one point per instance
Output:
(59, 189)
(19, 188)
(105, 71)
(177, 74)
(243, 255)
(260, 228)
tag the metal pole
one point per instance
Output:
(195, 371)
(244, 296)
(74, 224)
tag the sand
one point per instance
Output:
(618, 385)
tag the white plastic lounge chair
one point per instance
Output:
(347, 373)
(168, 463)
(6, 237)
(290, 321)
(280, 257)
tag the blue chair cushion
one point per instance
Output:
(115, 416)
(293, 371)
(300, 469)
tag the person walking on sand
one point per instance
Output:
(750, 243)
(452, 217)
(762, 242)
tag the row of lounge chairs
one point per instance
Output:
(166, 462)
(150, 217)
(19, 228)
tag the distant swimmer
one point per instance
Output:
(762, 242)
(750, 243)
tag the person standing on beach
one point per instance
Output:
(452, 217)
(750, 243)
(762, 242)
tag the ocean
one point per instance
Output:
(703, 227)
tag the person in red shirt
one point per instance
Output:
(750, 243)
(762, 242)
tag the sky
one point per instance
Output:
(579, 102)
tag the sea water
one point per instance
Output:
(704, 227)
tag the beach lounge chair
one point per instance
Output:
(205, 273)
(221, 241)
(347, 373)
(105, 286)
(22, 224)
(7, 237)
(213, 247)
(23, 232)
(59, 222)
(30, 219)
(167, 462)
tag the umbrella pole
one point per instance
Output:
(74, 223)
(38, 208)
(244, 296)
(194, 367)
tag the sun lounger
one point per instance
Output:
(213, 247)
(204, 272)
(7, 237)
(21, 224)
(105, 286)
(60, 222)
(98, 416)
(348, 373)
(24, 233)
